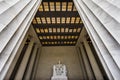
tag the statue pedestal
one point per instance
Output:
(59, 72)
(59, 78)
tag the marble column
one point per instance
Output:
(15, 19)
(83, 76)
(30, 66)
(93, 63)
(20, 73)
(102, 22)
(15, 60)
(36, 64)
(88, 69)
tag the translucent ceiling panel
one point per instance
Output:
(72, 19)
(46, 30)
(68, 20)
(69, 8)
(38, 20)
(63, 6)
(57, 6)
(57, 23)
(46, 7)
(53, 20)
(41, 8)
(48, 20)
(63, 19)
(58, 20)
(43, 20)
(52, 6)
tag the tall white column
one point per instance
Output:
(95, 68)
(89, 71)
(24, 62)
(15, 19)
(84, 75)
(29, 70)
(36, 64)
(12, 66)
(102, 22)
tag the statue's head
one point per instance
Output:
(59, 62)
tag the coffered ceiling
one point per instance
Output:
(57, 23)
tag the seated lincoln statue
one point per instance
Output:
(59, 72)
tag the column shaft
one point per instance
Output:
(33, 75)
(86, 62)
(24, 62)
(82, 66)
(31, 64)
(96, 70)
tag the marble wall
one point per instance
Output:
(51, 55)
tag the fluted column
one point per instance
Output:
(88, 69)
(15, 61)
(84, 75)
(30, 66)
(102, 22)
(24, 62)
(15, 19)
(95, 68)
(33, 74)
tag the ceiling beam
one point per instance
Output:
(57, 0)
(59, 34)
(57, 14)
(70, 26)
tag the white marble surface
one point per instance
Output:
(10, 44)
(103, 27)
(59, 72)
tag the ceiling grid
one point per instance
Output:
(57, 23)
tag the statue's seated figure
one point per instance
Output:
(59, 72)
